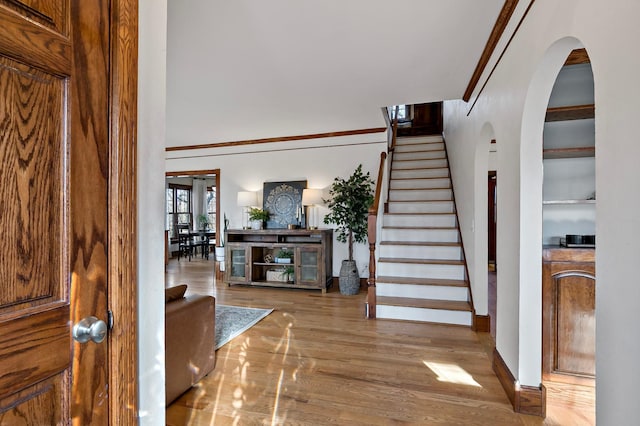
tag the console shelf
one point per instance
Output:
(250, 258)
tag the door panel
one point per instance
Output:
(568, 316)
(53, 209)
(32, 213)
(50, 13)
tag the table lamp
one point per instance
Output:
(311, 198)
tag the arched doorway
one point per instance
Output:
(485, 295)
(534, 236)
(568, 233)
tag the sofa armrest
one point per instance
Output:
(189, 342)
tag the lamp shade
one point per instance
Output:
(247, 199)
(311, 197)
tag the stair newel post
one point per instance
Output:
(372, 226)
(371, 282)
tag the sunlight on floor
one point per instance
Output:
(244, 393)
(451, 373)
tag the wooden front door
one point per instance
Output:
(55, 169)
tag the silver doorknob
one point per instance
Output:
(90, 328)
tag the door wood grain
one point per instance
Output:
(67, 147)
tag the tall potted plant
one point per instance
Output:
(219, 250)
(349, 207)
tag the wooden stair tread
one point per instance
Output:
(404, 141)
(420, 261)
(449, 305)
(413, 169)
(423, 178)
(419, 151)
(417, 228)
(419, 243)
(415, 214)
(400, 160)
(417, 201)
(422, 281)
(418, 147)
(420, 189)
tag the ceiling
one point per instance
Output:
(248, 69)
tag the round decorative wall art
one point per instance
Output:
(283, 200)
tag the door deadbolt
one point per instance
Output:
(89, 328)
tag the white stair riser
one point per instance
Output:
(403, 148)
(420, 220)
(420, 235)
(414, 140)
(420, 183)
(420, 173)
(416, 270)
(418, 207)
(420, 194)
(419, 164)
(418, 155)
(421, 314)
(421, 252)
(422, 291)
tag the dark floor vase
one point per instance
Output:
(349, 279)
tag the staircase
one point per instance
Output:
(421, 273)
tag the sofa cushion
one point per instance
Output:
(174, 293)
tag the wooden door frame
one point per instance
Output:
(122, 214)
(215, 172)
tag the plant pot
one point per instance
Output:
(256, 224)
(349, 279)
(219, 254)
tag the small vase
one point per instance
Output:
(256, 224)
(219, 254)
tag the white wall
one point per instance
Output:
(318, 161)
(151, 135)
(514, 102)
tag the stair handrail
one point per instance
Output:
(392, 146)
(394, 129)
(372, 227)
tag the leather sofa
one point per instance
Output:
(189, 340)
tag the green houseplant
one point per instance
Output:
(284, 256)
(203, 220)
(287, 273)
(258, 217)
(349, 206)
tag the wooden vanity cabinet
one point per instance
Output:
(569, 328)
(251, 258)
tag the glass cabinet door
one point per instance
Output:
(238, 262)
(309, 261)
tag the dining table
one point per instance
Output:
(202, 238)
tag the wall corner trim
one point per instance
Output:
(529, 400)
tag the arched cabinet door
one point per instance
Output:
(568, 295)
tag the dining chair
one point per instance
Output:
(185, 242)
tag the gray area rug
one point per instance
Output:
(231, 321)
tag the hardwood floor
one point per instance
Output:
(316, 360)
